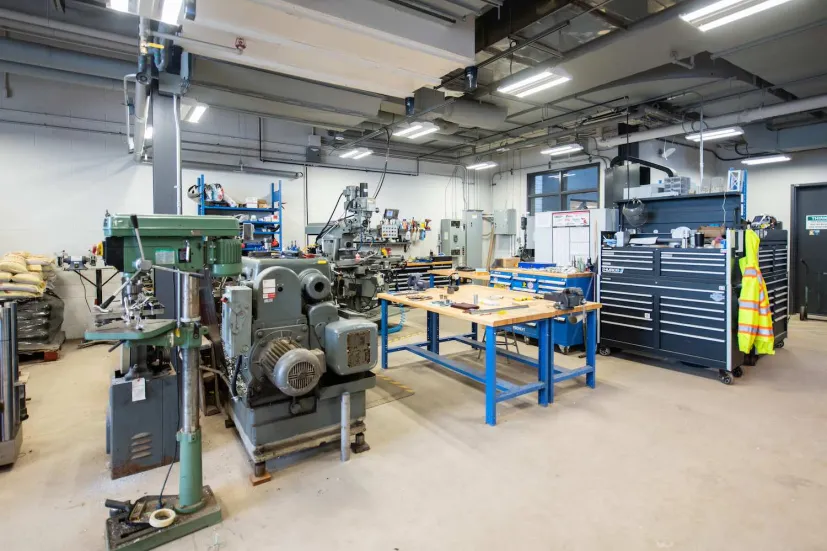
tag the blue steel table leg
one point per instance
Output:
(432, 281)
(545, 373)
(433, 324)
(383, 332)
(550, 350)
(591, 345)
(490, 376)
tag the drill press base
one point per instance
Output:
(125, 535)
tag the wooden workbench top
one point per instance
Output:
(537, 307)
(448, 272)
(531, 271)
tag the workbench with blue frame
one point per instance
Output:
(538, 311)
(566, 334)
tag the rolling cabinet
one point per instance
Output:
(565, 333)
(682, 304)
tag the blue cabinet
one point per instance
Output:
(566, 334)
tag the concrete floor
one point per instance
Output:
(650, 459)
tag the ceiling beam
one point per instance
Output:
(511, 18)
(606, 17)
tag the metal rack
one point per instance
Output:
(265, 229)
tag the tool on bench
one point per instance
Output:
(498, 309)
(464, 306)
(443, 302)
(568, 298)
(417, 282)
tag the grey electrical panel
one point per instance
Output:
(472, 220)
(451, 237)
(237, 308)
(505, 222)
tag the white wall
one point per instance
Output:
(57, 183)
(768, 186)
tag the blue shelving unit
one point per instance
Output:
(266, 234)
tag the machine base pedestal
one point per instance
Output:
(123, 535)
(10, 449)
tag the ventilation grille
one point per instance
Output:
(302, 376)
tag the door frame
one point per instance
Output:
(793, 280)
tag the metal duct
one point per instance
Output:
(732, 119)
(66, 27)
(473, 114)
(801, 138)
(58, 76)
(63, 60)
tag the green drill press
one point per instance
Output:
(193, 248)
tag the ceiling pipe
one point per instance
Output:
(66, 27)
(63, 60)
(742, 117)
(56, 75)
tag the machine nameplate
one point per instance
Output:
(358, 348)
(138, 389)
(165, 256)
(269, 290)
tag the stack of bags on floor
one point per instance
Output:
(24, 275)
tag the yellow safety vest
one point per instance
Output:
(754, 316)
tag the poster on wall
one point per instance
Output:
(570, 219)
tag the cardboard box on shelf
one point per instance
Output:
(711, 232)
(507, 262)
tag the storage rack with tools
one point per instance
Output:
(566, 334)
(682, 303)
(400, 280)
(263, 230)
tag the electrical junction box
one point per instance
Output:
(350, 346)
(505, 222)
(451, 237)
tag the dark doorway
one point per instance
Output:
(808, 241)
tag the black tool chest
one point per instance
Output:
(682, 304)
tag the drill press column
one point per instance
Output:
(188, 339)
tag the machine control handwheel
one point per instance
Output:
(604, 350)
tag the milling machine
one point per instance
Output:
(194, 248)
(352, 244)
(295, 362)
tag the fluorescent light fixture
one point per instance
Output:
(171, 11)
(405, 131)
(563, 149)
(349, 154)
(364, 153)
(717, 134)
(722, 12)
(148, 132)
(425, 132)
(533, 84)
(196, 113)
(544, 86)
(482, 166)
(767, 160)
(503, 149)
(119, 5)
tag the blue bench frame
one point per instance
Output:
(496, 389)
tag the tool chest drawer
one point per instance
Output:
(628, 261)
(683, 263)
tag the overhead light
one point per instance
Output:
(171, 11)
(349, 154)
(533, 84)
(722, 12)
(148, 133)
(482, 166)
(503, 149)
(119, 5)
(767, 160)
(425, 132)
(196, 113)
(364, 153)
(563, 149)
(717, 134)
(339, 137)
(408, 130)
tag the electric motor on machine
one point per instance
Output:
(293, 369)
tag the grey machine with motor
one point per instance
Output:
(360, 272)
(294, 361)
(12, 393)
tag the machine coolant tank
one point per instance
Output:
(350, 346)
